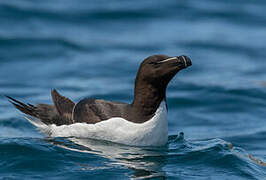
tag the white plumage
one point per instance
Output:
(153, 132)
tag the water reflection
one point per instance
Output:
(146, 162)
(150, 162)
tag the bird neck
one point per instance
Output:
(147, 97)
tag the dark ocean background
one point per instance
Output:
(93, 49)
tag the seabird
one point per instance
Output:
(141, 123)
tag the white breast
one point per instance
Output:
(153, 132)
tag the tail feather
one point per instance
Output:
(25, 108)
(31, 110)
(45, 113)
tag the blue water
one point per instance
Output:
(93, 49)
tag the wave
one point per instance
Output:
(216, 155)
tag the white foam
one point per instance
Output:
(153, 132)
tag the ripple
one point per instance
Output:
(93, 49)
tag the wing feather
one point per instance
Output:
(63, 105)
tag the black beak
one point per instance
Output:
(185, 60)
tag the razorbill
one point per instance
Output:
(141, 123)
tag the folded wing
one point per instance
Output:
(64, 106)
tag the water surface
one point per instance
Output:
(93, 49)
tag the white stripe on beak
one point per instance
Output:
(169, 59)
(185, 62)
